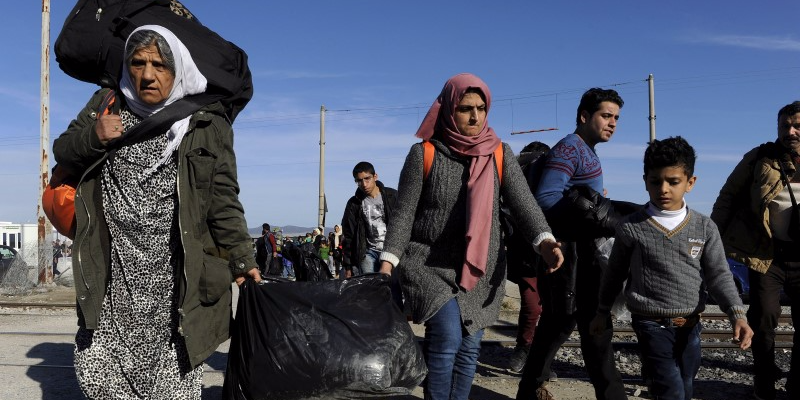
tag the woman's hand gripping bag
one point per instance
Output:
(335, 339)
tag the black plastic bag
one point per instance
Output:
(336, 339)
(308, 266)
(275, 267)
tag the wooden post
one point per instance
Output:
(45, 229)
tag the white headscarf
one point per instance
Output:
(188, 81)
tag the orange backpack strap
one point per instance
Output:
(107, 105)
(498, 161)
(428, 151)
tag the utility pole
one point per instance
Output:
(45, 229)
(652, 116)
(322, 208)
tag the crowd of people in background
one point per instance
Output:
(274, 262)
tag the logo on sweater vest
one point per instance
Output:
(696, 247)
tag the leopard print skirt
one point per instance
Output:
(136, 352)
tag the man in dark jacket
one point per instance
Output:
(266, 249)
(366, 216)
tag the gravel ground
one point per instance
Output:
(724, 374)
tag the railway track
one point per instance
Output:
(785, 319)
(36, 305)
(711, 338)
(502, 333)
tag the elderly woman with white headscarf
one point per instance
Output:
(160, 229)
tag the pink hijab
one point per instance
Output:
(480, 186)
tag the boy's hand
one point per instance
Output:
(551, 253)
(598, 324)
(742, 334)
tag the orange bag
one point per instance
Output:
(58, 202)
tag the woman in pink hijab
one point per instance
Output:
(444, 242)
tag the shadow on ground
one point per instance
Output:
(54, 371)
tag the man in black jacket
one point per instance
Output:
(366, 216)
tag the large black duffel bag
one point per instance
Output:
(91, 43)
(335, 339)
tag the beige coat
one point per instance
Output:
(741, 211)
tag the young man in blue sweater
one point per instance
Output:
(569, 295)
(670, 256)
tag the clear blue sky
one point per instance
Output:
(722, 70)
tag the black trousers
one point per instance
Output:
(556, 324)
(264, 268)
(763, 314)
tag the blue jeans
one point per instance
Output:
(670, 356)
(451, 355)
(288, 269)
(370, 264)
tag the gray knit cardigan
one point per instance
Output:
(427, 235)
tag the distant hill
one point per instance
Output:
(288, 230)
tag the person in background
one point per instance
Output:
(757, 215)
(670, 255)
(335, 242)
(307, 242)
(66, 248)
(324, 250)
(523, 263)
(149, 311)
(57, 254)
(266, 250)
(445, 238)
(316, 238)
(288, 267)
(366, 216)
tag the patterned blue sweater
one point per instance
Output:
(570, 162)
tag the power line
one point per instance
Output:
(314, 162)
(512, 100)
(520, 99)
(293, 119)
